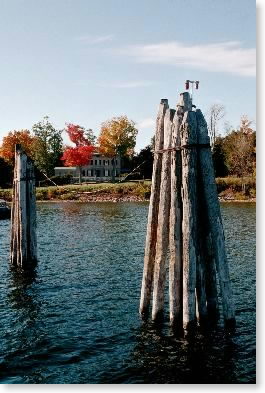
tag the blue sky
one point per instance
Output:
(84, 62)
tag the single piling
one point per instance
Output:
(189, 223)
(23, 245)
(175, 226)
(163, 220)
(31, 211)
(214, 218)
(151, 235)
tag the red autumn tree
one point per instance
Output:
(81, 153)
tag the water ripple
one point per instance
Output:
(75, 318)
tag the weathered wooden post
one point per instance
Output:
(206, 286)
(201, 262)
(214, 217)
(185, 219)
(175, 225)
(163, 220)
(23, 245)
(210, 278)
(151, 235)
(188, 134)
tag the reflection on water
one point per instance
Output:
(21, 295)
(24, 336)
(196, 359)
(74, 319)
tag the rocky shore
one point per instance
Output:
(125, 198)
(109, 198)
(108, 192)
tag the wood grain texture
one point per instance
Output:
(188, 134)
(210, 278)
(23, 244)
(31, 212)
(151, 234)
(163, 221)
(215, 220)
(175, 227)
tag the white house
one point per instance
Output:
(99, 168)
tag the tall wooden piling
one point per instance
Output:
(189, 223)
(151, 235)
(185, 219)
(163, 220)
(175, 226)
(31, 211)
(23, 245)
(214, 217)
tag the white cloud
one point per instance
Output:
(230, 57)
(146, 123)
(90, 39)
(127, 85)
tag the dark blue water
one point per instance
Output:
(75, 319)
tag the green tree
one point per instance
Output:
(219, 158)
(152, 143)
(89, 135)
(48, 146)
(6, 173)
(144, 160)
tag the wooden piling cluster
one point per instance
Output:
(23, 245)
(184, 223)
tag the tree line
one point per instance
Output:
(234, 154)
(44, 144)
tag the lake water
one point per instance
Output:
(75, 319)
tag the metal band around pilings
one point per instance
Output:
(191, 146)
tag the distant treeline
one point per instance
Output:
(234, 155)
(44, 145)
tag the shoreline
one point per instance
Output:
(138, 191)
(129, 199)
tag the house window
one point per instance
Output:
(96, 162)
(91, 163)
(83, 173)
(89, 172)
(99, 162)
(92, 172)
(104, 161)
(106, 172)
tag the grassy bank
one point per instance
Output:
(229, 188)
(138, 189)
(234, 188)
